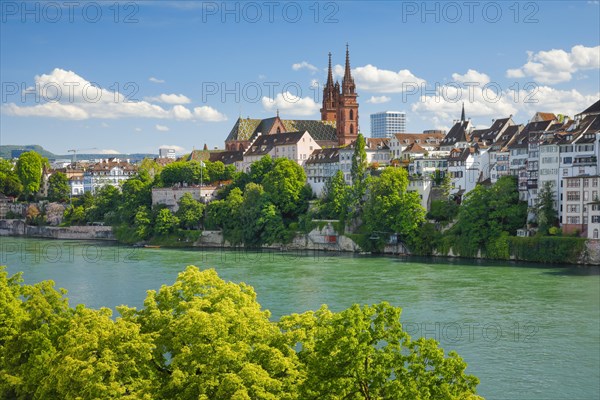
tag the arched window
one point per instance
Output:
(351, 115)
(279, 130)
(595, 233)
(352, 129)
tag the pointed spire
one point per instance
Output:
(462, 115)
(347, 73)
(329, 73)
(278, 113)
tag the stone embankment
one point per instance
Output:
(15, 227)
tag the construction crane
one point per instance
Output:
(74, 151)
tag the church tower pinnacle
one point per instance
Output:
(330, 97)
(347, 109)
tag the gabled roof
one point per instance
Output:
(248, 129)
(227, 157)
(324, 156)
(424, 138)
(415, 149)
(458, 133)
(265, 143)
(593, 109)
(377, 143)
(461, 154)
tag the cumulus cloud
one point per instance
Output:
(373, 79)
(290, 104)
(156, 80)
(170, 99)
(66, 95)
(379, 99)
(557, 65)
(209, 114)
(161, 128)
(471, 76)
(484, 105)
(304, 65)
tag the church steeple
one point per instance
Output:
(348, 86)
(330, 97)
(462, 115)
(347, 110)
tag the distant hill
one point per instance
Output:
(6, 150)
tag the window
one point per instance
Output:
(573, 183)
(573, 208)
(351, 115)
(595, 230)
(573, 196)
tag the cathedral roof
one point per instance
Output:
(247, 129)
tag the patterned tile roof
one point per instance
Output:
(247, 129)
(319, 130)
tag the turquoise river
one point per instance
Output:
(527, 331)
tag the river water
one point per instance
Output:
(527, 331)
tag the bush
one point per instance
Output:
(547, 249)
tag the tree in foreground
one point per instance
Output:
(204, 338)
(58, 187)
(29, 169)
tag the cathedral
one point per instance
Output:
(338, 125)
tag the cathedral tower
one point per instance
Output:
(347, 107)
(330, 97)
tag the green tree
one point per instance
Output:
(358, 172)
(484, 215)
(260, 168)
(285, 185)
(544, 211)
(165, 222)
(190, 212)
(142, 223)
(29, 169)
(58, 187)
(390, 208)
(213, 341)
(10, 185)
(363, 353)
(335, 197)
(105, 205)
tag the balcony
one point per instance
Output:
(584, 161)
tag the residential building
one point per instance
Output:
(387, 123)
(579, 193)
(321, 165)
(295, 146)
(170, 196)
(428, 141)
(112, 171)
(421, 185)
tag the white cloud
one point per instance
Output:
(290, 104)
(138, 129)
(209, 114)
(156, 80)
(170, 99)
(557, 65)
(373, 79)
(161, 128)
(379, 99)
(178, 149)
(445, 106)
(304, 65)
(66, 95)
(472, 76)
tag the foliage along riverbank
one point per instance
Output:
(204, 338)
(271, 204)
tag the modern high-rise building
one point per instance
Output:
(384, 124)
(167, 152)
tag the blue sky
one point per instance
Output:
(186, 70)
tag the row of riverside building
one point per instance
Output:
(548, 148)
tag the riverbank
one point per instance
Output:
(15, 227)
(319, 239)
